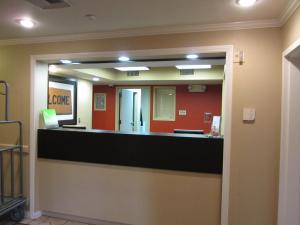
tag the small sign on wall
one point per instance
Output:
(182, 112)
(60, 100)
(100, 102)
(208, 117)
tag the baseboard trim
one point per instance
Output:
(33, 215)
(80, 219)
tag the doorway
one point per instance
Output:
(289, 186)
(133, 109)
(39, 71)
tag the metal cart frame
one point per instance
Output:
(13, 204)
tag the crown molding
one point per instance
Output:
(256, 24)
(160, 30)
(289, 11)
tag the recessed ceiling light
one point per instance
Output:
(124, 59)
(52, 69)
(246, 3)
(96, 78)
(191, 67)
(132, 68)
(26, 22)
(192, 56)
(65, 61)
(76, 63)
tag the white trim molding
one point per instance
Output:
(289, 11)
(33, 215)
(227, 121)
(291, 48)
(283, 218)
(147, 31)
(159, 30)
(35, 105)
(79, 219)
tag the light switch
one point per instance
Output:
(239, 57)
(182, 112)
(249, 114)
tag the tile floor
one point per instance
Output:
(44, 220)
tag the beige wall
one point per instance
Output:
(130, 195)
(291, 30)
(84, 103)
(255, 147)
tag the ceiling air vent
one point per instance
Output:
(49, 4)
(133, 73)
(187, 72)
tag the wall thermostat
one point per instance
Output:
(249, 114)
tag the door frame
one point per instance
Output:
(284, 145)
(36, 104)
(117, 116)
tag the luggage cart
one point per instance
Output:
(11, 203)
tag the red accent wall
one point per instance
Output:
(196, 104)
(105, 120)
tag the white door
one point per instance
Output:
(289, 190)
(126, 110)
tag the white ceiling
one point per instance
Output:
(156, 75)
(120, 14)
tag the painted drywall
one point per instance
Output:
(291, 30)
(254, 152)
(196, 104)
(131, 195)
(105, 120)
(84, 103)
(145, 104)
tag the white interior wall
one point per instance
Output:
(146, 108)
(40, 82)
(137, 110)
(223, 107)
(84, 103)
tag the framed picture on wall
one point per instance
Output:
(62, 96)
(100, 102)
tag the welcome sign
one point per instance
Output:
(60, 100)
(62, 96)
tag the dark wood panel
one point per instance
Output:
(172, 152)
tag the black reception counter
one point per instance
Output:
(182, 152)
